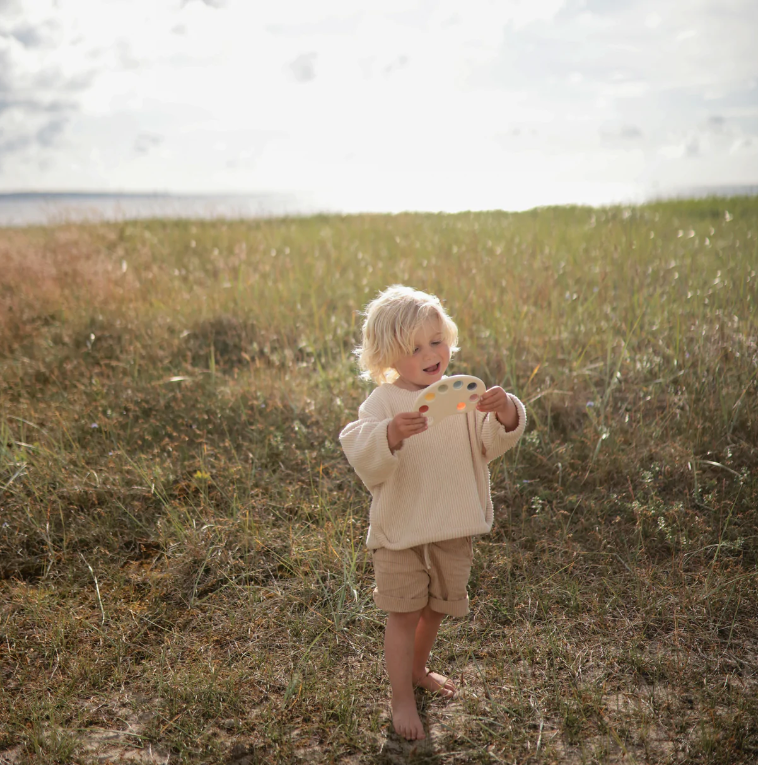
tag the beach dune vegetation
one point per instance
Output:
(182, 562)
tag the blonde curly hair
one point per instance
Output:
(392, 320)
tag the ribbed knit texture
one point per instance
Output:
(437, 485)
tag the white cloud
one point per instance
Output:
(250, 96)
(652, 20)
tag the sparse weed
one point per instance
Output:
(182, 541)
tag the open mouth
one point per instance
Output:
(433, 370)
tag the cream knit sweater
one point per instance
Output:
(437, 485)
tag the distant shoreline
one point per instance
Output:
(703, 192)
(130, 195)
(25, 208)
(695, 192)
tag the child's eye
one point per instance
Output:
(436, 342)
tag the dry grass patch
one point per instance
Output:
(182, 566)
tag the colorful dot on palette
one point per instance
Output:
(449, 397)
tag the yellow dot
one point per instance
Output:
(429, 396)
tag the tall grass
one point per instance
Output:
(181, 544)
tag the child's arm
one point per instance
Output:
(404, 426)
(498, 401)
(500, 432)
(368, 445)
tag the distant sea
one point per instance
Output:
(49, 208)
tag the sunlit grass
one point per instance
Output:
(181, 541)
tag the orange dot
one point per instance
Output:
(461, 406)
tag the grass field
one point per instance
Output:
(183, 576)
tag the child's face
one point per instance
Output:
(429, 359)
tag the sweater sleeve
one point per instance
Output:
(366, 447)
(495, 439)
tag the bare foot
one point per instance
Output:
(406, 721)
(436, 683)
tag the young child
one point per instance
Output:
(430, 487)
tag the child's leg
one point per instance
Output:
(399, 640)
(426, 633)
(403, 580)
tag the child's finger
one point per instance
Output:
(414, 418)
(490, 401)
(412, 422)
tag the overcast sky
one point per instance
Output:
(427, 105)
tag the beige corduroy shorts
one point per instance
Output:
(434, 574)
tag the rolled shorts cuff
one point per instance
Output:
(404, 606)
(398, 605)
(450, 607)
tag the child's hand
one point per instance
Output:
(497, 400)
(403, 426)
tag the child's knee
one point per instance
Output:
(404, 619)
(430, 614)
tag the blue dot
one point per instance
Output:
(457, 384)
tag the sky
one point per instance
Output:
(392, 105)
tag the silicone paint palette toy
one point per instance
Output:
(450, 395)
